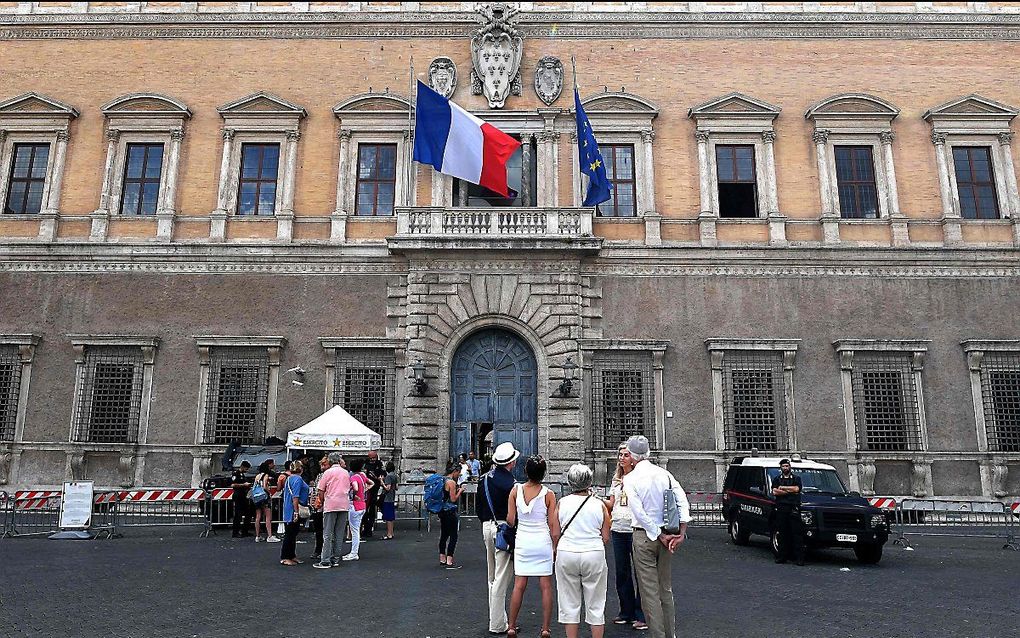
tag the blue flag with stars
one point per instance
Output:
(591, 160)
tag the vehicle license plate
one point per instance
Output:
(846, 538)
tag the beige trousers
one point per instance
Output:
(652, 562)
(501, 574)
(582, 575)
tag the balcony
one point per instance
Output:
(423, 228)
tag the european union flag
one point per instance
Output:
(588, 154)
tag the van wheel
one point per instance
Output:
(868, 554)
(774, 543)
(737, 533)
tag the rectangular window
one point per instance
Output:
(885, 402)
(27, 179)
(365, 385)
(855, 179)
(10, 390)
(478, 196)
(1000, 395)
(260, 165)
(754, 400)
(619, 160)
(621, 399)
(738, 187)
(975, 182)
(237, 396)
(142, 169)
(110, 396)
(377, 179)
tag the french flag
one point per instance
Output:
(456, 143)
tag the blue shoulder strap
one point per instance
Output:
(488, 496)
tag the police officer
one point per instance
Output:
(241, 484)
(786, 488)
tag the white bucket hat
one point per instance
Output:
(505, 453)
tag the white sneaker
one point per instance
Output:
(258, 539)
(350, 557)
(272, 539)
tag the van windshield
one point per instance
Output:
(814, 481)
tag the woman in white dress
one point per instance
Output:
(532, 508)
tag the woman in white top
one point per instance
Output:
(581, 570)
(532, 508)
(622, 534)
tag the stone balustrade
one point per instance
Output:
(495, 222)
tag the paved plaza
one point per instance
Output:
(174, 584)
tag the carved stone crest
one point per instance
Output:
(496, 50)
(443, 76)
(549, 79)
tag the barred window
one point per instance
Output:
(365, 386)
(754, 400)
(621, 398)
(1000, 396)
(110, 395)
(10, 389)
(885, 402)
(237, 395)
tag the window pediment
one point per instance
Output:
(735, 105)
(852, 106)
(261, 103)
(971, 114)
(374, 103)
(619, 102)
(36, 105)
(146, 104)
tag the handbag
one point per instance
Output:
(670, 510)
(303, 512)
(506, 536)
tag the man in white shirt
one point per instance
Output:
(645, 486)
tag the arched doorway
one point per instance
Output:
(493, 388)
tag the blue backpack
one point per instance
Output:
(257, 494)
(434, 494)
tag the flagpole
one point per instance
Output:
(410, 134)
(580, 176)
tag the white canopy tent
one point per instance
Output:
(336, 430)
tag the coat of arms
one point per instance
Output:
(549, 79)
(443, 76)
(496, 50)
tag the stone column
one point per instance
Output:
(338, 218)
(708, 215)
(830, 215)
(576, 184)
(952, 234)
(101, 216)
(167, 207)
(898, 221)
(285, 207)
(1005, 142)
(462, 193)
(526, 176)
(777, 221)
(218, 224)
(51, 209)
(653, 221)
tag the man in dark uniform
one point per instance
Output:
(241, 484)
(376, 473)
(786, 488)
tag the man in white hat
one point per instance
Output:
(495, 488)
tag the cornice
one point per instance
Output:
(537, 24)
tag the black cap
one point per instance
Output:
(785, 462)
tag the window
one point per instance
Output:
(365, 386)
(377, 179)
(885, 402)
(10, 387)
(1000, 395)
(621, 398)
(619, 160)
(236, 397)
(975, 182)
(738, 189)
(28, 178)
(481, 196)
(855, 179)
(754, 404)
(110, 396)
(257, 188)
(141, 179)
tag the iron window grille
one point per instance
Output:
(260, 166)
(377, 179)
(886, 403)
(237, 396)
(622, 403)
(110, 395)
(142, 171)
(975, 182)
(27, 179)
(365, 386)
(10, 390)
(754, 400)
(1000, 396)
(855, 179)
(619, 160)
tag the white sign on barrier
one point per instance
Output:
(76, 505)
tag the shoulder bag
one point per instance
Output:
(506, 536)
(670, 509)
(578, 511)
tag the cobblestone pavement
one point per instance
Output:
(174, 584)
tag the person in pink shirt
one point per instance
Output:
(361, 485)
(334, 489)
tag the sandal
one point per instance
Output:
(511, 633)
(289, 563)
(546, 634)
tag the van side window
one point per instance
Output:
(756, 478)
(740, 479)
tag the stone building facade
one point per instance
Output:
(212, 231)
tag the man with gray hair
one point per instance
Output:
(646, 486)
(334, 491)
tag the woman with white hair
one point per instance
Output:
(581, 570)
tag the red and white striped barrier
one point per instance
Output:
(883, 502)
(1015, 508)
(149, 496)
(34, 499)
(227, 493)
(704, 497)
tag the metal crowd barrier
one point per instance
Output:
(6, 505)
(706, 509)
(958, 519)
(162, 508)
(31, 513)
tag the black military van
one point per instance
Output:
(831, 515)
